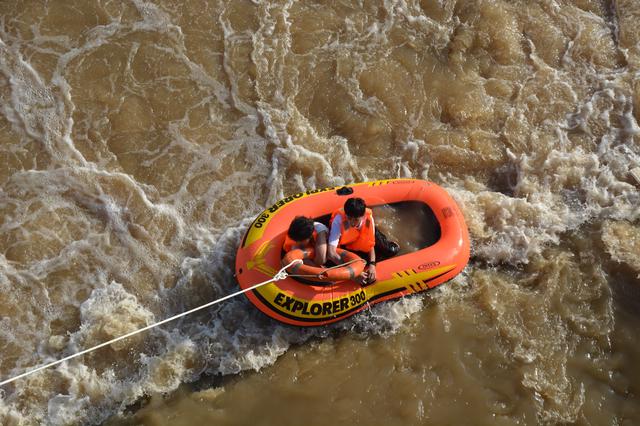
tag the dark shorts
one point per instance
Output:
(383, 248)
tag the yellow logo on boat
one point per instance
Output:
(259, 260)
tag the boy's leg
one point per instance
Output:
(385, 248)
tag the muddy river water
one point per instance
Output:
(138, 140)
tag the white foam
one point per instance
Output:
(109, 312)
(569, 188)
(560, 193)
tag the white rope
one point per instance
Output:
(282, 274)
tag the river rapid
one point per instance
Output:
(139, 139)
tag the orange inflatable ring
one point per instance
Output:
(351, 266)
(291, 301)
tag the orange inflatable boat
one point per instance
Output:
(319, 299)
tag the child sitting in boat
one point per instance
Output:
(304, 233)
(352, 228)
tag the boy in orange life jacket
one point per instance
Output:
(352, 227)
(304, 233)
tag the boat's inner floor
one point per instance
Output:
(411, 224)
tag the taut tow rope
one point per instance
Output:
(280, 275)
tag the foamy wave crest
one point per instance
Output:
(108, 313)
(551, 195)
(622, 240)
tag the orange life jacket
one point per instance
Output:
(355, 239)
(290, 244)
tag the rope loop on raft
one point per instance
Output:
(280, 275)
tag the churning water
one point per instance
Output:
(138, 140)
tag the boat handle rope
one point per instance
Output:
(325, 269)
(280, 275)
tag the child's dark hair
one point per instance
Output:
(354, 207)
(300, 229)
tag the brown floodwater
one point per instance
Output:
(138, 140)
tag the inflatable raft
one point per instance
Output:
(318, 302)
